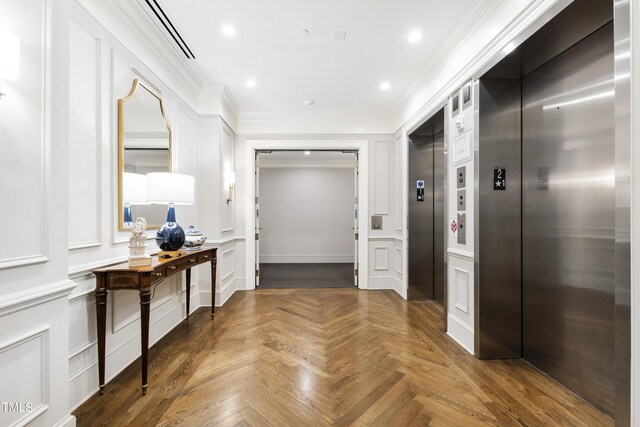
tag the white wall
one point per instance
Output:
(381, 245)
(59, 146)
(306, 215)
(33, 188)
(460, 257)
(101, 71)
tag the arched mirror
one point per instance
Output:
(144, 145)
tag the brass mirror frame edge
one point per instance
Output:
(121, 102)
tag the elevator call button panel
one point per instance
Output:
(462, 225)
(462, 200)
(461, 176)
(420, 190)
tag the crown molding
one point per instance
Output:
(143, 28)
(413, 109)
(309, 123)
(218, 100)
(468, 24)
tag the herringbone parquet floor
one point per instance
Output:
(329, 357)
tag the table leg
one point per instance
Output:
(188, 290)
(101, 314)
(213, 287)
(145, 302)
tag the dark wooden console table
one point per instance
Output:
(144, 280)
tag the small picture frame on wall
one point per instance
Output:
(455, 104)
(466, 95)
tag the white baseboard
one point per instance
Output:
(223, 293)
(388, 282)
(399, 288)
(460, 333)
(306, 259)
(68, 421)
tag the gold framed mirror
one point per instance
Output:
(144, 145)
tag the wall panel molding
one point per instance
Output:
(227, 263)
(22, 300)
(31, 347)
(381, 178)
(31, 25)
(461, 297)
(380, 258)
(85, 142)
(398, 263)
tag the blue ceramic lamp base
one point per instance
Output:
(170, 237)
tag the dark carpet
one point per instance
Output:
(306, 276)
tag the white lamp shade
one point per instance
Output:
(134, 188)
(164, 188)
(9, 56)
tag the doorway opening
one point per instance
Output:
(306, 218)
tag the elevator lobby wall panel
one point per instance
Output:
(461, 148)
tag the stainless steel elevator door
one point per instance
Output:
(421, 218)
(438, 217)
(568, 218)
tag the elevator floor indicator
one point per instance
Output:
(499, 178)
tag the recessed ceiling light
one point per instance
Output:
(309, 102)
(414, 36)
(385, 86)
(509, 48)
(306, 153)
(305, 32)
(251, 83)
(228, 31)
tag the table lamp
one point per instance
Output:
(134, 192)
(172, 189)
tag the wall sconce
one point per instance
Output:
(9, 57)
(230, 182)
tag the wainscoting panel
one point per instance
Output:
(381, 178)
(85, 162)
(25, 361)
(399, 187)
(25, 173)
(125, 305)
(227, 213)
(382, 273)
(461, 295)
(381, 258)
(460, 305)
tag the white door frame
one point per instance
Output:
(363, 197)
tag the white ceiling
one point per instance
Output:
(342, 77)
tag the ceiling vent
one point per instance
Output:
(338, 35)
(170, 28)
